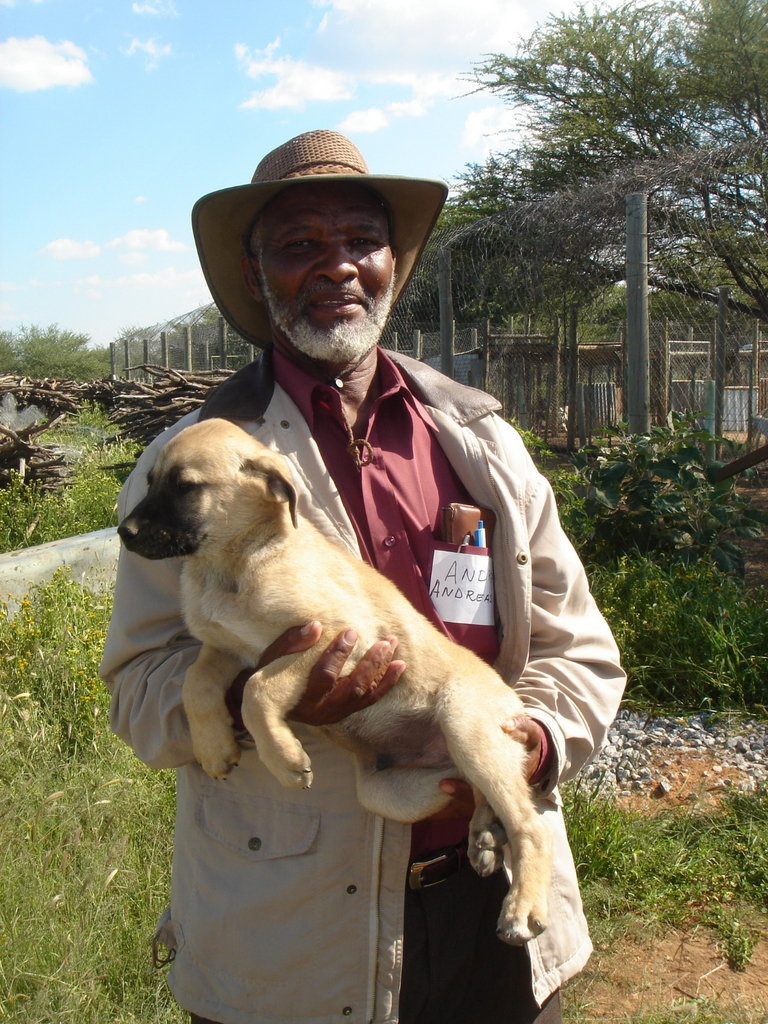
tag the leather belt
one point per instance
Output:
(437, 866)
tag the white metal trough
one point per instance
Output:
(90, 557)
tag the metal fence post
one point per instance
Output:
(446, 312)
(721, 331)
(638, 370)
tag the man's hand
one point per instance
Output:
(329, 696)
(521, 729)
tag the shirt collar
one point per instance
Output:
(304, 389)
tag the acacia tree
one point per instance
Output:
(52, 352)
(665, 99)
(606, 86)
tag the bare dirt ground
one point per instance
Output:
(683, 976)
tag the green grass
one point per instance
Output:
(85, 830)
(678, 868)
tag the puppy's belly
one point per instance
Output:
(409, 742)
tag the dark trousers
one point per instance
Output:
(455, 970)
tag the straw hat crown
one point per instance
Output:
(221, 220)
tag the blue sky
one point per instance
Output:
(117, 115)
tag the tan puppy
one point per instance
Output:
(253, 570)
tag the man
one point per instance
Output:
(299, 906)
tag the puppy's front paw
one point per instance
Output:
(301, 779)
(217, 758)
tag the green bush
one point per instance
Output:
(30, 516)
(654, 495)
(689, 636)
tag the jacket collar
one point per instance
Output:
(247, 393)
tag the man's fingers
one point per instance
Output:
(333, 659)
(292, 641)
(373, 666)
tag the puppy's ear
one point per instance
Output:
(279, 485)
(283, 490)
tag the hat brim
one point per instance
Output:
(221, 219)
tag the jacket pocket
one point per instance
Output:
(255, 827)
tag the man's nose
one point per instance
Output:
(337, 263)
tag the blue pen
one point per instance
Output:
(480, 534)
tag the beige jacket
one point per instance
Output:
(287, 905)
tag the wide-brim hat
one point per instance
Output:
(222, 220)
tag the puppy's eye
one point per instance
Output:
(187, 486)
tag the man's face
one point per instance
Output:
(324, 268)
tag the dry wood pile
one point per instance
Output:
(139, 410)
(142, 409)
(33, 462)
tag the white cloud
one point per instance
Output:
(155, 7)
(12, 3)
(297, 82)
(439, 30)
(374, 119)
(491, 129)
(144, 239)
(133, 259)
(152, 50)
(426, 90)
(27, 65)
(69, 249)
(140, 199)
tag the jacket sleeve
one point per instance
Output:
(572, 681)
(148, 648)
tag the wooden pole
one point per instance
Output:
(572, 374)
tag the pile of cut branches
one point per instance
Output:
(142, 409)
(33, 462)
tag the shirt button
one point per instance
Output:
(284, 424)
(389, 542)
(351, 889)
(254, 843)
(522, 558)
(347, 1011)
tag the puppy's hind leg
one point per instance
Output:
(494, 763)
(210, 725)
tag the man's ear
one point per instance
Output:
(249, 266)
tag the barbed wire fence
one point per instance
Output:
(531, 304)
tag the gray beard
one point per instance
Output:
(343, 342)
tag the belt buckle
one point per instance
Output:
(415, 880)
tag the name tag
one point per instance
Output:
(461, 587)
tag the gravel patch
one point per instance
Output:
(657, 755)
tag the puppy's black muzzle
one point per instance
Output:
(155, 529)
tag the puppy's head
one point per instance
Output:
(212, 485)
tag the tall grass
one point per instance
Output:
(85, 830)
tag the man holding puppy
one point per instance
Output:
(299, 906)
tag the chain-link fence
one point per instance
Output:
(560, 367)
